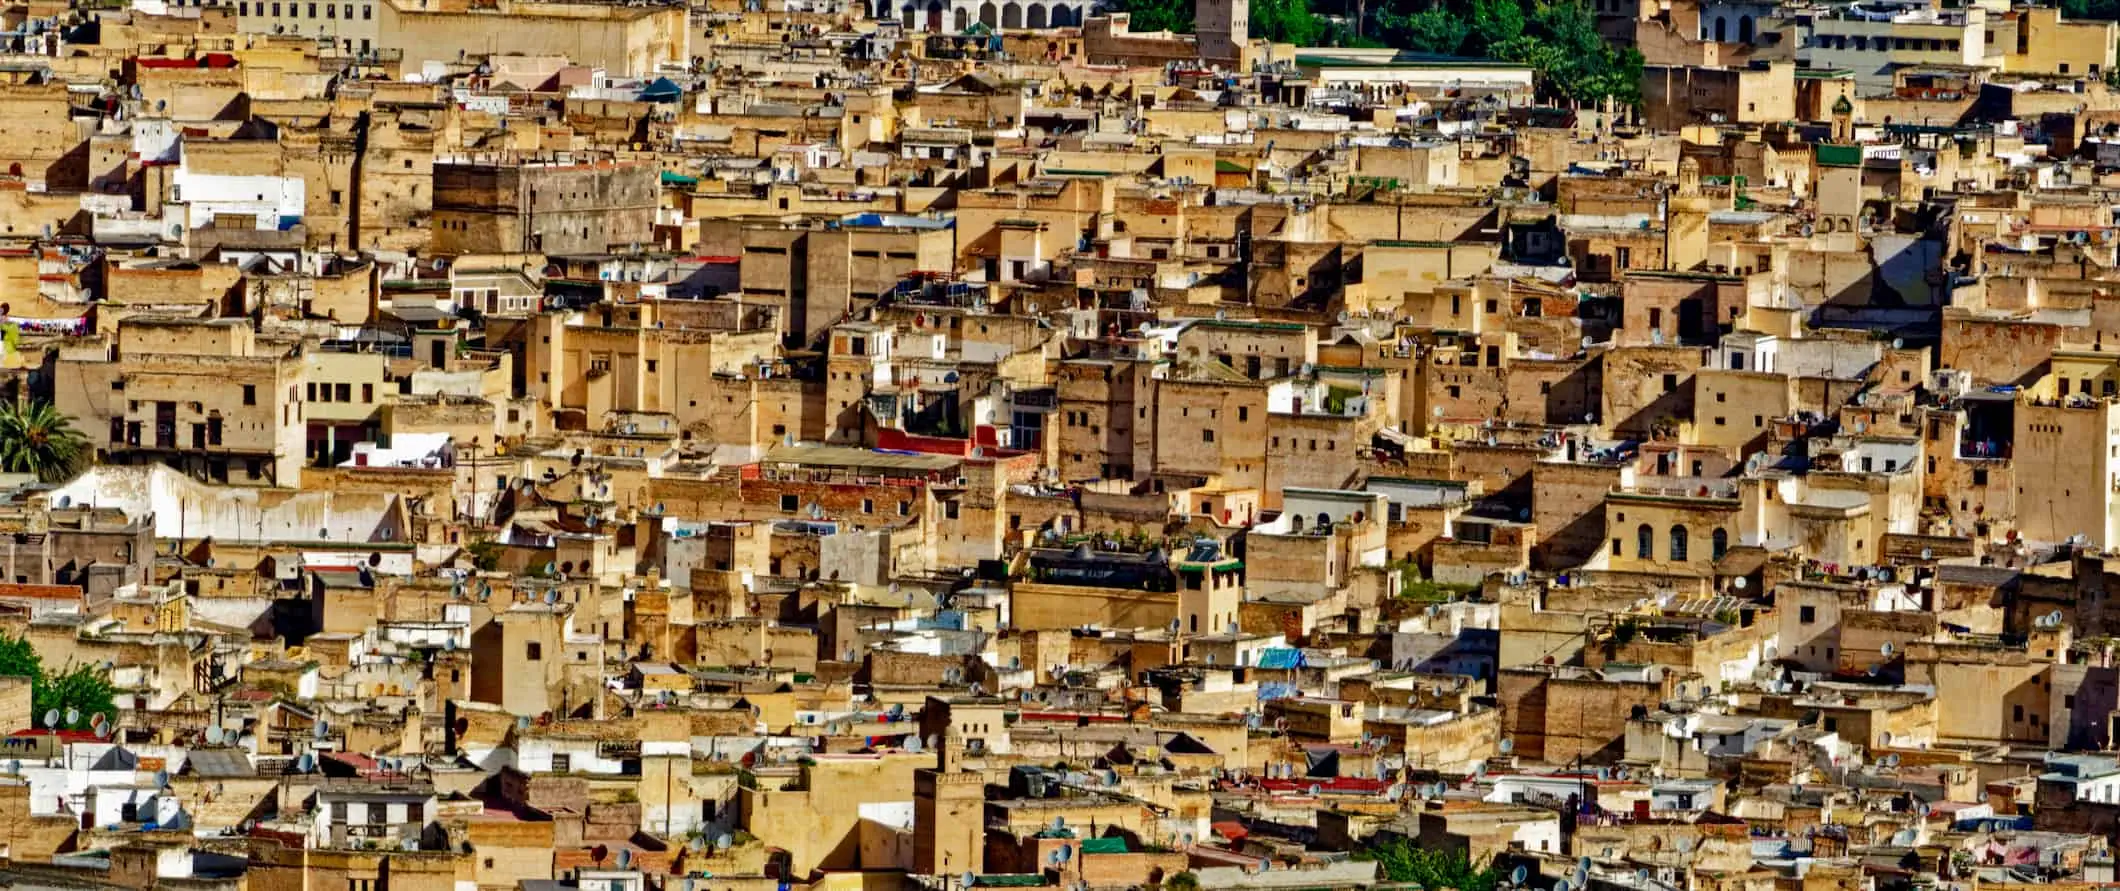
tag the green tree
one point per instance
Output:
(1175, 16)
(1590, 69)
(1544, 59)
(1342, 34)
(35, 438)
(1432, 30)
(1559, 41)
(1494, 22)
(1401, 861)
(1569, 25)
(2107, 10)
(1184, 881)
(1285, 21)
(486, 554)
(18, 659)
(80, 689)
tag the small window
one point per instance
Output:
(250, 394)
(534, 651)
(1807, 614)
(789, 502)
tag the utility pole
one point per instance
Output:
(474, 515)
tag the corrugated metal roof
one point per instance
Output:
(219, 763)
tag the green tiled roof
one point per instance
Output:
(1839, 155)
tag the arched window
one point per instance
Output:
(1645, 542)
(1679, 541)
(1719, 543)
(1722, 29)
(1744, 29)
(1324, 522)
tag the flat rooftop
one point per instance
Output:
(842, 456)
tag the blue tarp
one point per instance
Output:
(1281, 658)
(662, 89)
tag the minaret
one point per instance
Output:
(1686, 215)
(1836, 173)
(1843, 120)
(1223, 27)
(949, 815)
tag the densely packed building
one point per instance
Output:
(768, 445)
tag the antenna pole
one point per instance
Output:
(473, 453)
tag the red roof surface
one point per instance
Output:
(1070, 717)
(210, 60)
(1342, 785)
(40, 592)
(72, 736)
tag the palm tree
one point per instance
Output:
(36, 438)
